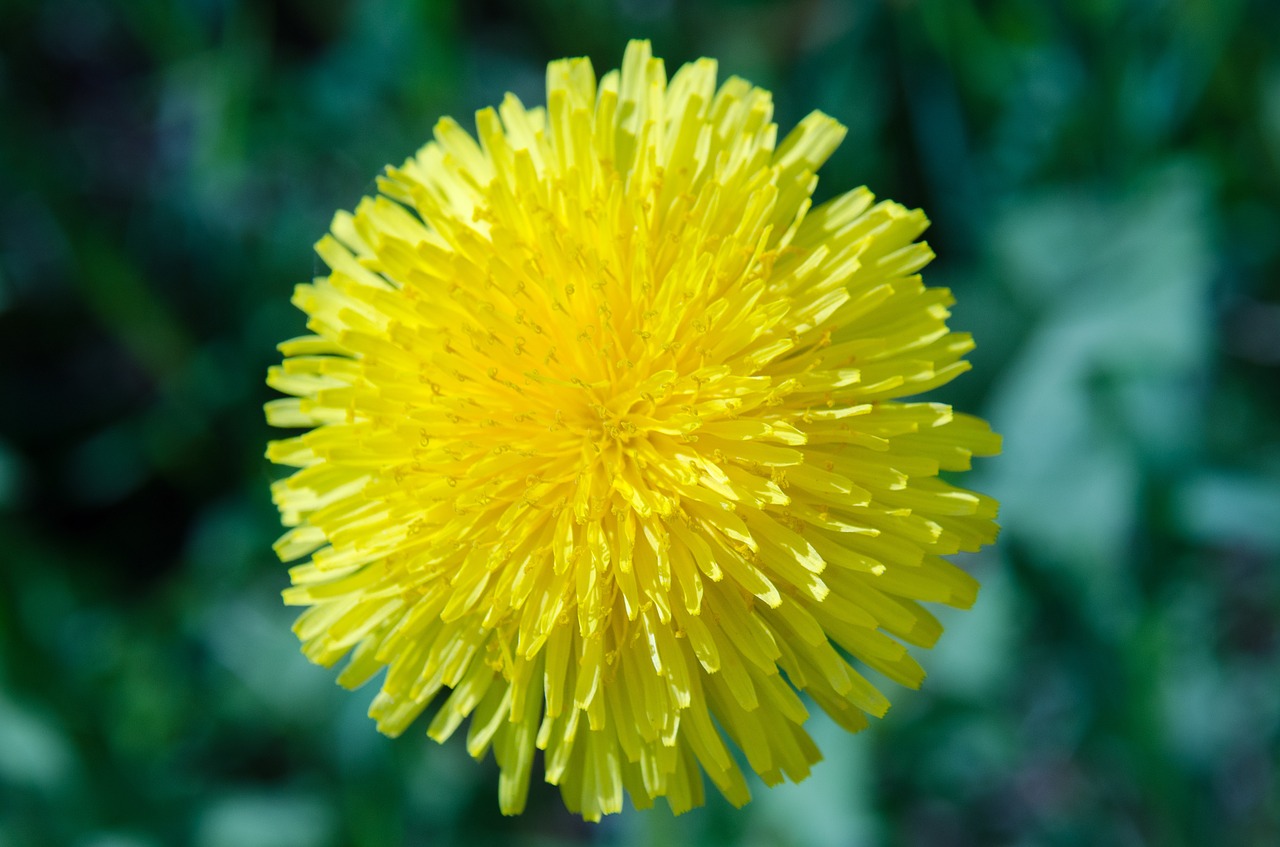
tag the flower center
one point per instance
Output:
(610, 422)
(619, 428)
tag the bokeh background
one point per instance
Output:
(1104, 181)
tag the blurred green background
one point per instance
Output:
(1104, 181)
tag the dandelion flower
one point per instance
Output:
(606, 449)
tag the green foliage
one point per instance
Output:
(1104, 180)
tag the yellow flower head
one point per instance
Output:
(606, 452)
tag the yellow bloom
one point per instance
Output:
(605, 451)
